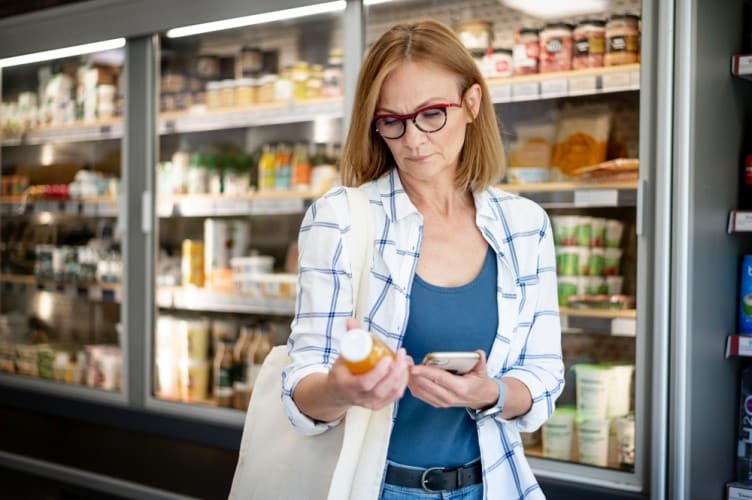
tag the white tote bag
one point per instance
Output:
(276, 462)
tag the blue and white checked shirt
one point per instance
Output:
(528, 341)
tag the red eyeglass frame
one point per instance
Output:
(411, 116)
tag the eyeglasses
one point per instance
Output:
(429, 120)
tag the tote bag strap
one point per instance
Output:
(361, 248)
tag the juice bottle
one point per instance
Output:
(301, 173)
(266, 169)
(362, 351)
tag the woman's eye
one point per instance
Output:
(431, 113)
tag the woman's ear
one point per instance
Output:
(472, 99)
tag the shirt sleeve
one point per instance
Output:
(541, 367)
(323, 304)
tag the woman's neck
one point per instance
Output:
(439, 196)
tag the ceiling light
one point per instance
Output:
(551, 9)
(267, 17)
(76, 50)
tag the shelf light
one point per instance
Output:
(76, 50)
(267, 17)
(553, 9)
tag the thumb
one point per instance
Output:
(352, 324)
(480, 366)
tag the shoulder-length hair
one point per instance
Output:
(366, 157)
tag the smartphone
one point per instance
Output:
(455, 362)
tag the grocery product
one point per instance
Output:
(361, 351)
(614, 232)
(192, 263)
(745, 296)
(498, 63)
(530, 155)
(475, 35)
(558, 434)
(592, 441)
(555, 48)
(744, 433)
(593, 384)
(582, 137)
(217, 248)
(620, 390)
(222, 367)
(589, 44)
(526, 51)
(624, 435)
(623, 39)
(567, 287)
(612, 261)
(251, 61)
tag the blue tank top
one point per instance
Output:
(463, 318)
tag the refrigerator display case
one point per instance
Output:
(566, 88)
(61, 262)
(250, 126)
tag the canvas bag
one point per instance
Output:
(276, 462)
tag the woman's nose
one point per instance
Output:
(413, 135)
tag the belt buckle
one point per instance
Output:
(424, 479)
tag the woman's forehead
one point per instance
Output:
(412, 83)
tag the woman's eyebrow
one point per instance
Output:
(425, 103)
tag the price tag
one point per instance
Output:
(525, 91)
(501, 93)
(89, 209)
(107, 209)
(741, 221)
(195, 207)
(232, 207)
(105, 130)
(613, 82)
(624, 326)
(596, 198)
(553, 88)
(164, 208)
(164, 298)
(170, 127)
(72, 207)
(583, 85)
(634, 80)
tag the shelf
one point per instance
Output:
(741, 66)
(260, 203)
(89, 207)
(98, 292)
(739, 345)
(574, 83)
(75, 132)
(223, 302)
(621, 322)
(577, 194)
(740, 221)
(251, 116)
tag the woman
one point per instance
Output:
(458, 266)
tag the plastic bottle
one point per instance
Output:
(181, 159)
(361, 351)
(266, 169)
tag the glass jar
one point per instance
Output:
(315, 82)
(213, 96)
(333, 77)
(227, 93)
(267, 89)
(589, 44)
(300, 74)
(283, 86)
(245, 91)
(526, 51)
(251, 61)
(498, 63)
(623, 36)
(556, 48)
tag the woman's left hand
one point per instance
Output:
(442, 389)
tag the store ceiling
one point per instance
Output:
(18, 7)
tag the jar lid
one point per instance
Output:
(500, 50)
(624, 17)
(355, 345)
(528, 31)
(558, 25)
(478, 53)
(592, 22)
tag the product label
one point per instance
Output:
(622, 43)
(554, 45)
(745, 296)
(582, 47)
(748, 170)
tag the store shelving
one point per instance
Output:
(87, 207)
(222, 302)
(258, 203)
(620, 322)
(75, 132)
(565, 84)
(739, 345)
(741, 66)
(578, 194)
(740, 221)
(94, 291)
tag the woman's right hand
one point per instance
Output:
(375, 389)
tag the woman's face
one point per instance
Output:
(412, 86)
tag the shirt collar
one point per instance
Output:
(397, 204)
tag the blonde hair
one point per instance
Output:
(366, 157)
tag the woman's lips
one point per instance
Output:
(417, 159)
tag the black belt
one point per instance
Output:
(435, 479)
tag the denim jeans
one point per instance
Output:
(392, 492)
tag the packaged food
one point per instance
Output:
(593, 382)
(300, 74)
(223, 364)
(592, 441)
(266, 89)
(213, 95)
(192, 263)
(208, 66)
(362, 351)
(227, 93)
(582, 137)
(623, 39)
(194, 385)
(745, 296)
(589, 44)
(251, 61)
(475, 35)
(530, 155)
(245, 92)
(556, 48)
(333, 77)
(315, 82)
(217, 247)
(498, 63)
(558, 434)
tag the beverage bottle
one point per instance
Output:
(266, 169)
(361, 351)
(744, 444)
(301, 177)
(745, 175)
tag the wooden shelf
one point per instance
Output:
(569, 186)
(599, 313)
(558, 75)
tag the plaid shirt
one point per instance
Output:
(528, 341)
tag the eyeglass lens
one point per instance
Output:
(428, 121)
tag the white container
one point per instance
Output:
(241, 238)
(614, 232)
(255, 264)
(217, 247)
(558, 434)
(599, 232)
(624, 432)
(620, 390)
(592, 387)
(615, 284)
(167, 378)
(194, 380)
(592, 441)
(197, 338)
